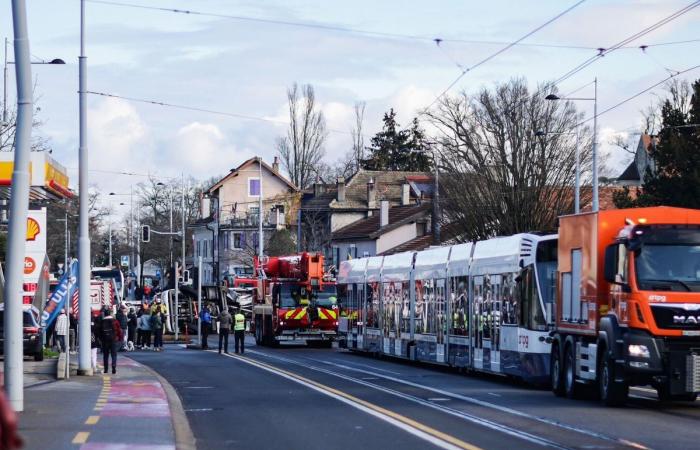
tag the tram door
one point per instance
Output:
(486, 313)
(359, 293)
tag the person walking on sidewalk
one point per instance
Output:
(157, 327)
(206, 327)
(111, 338)
(62, 330)
(94, 343)
(239, 330)
(145, 325)
(225, 320)
(123, 322)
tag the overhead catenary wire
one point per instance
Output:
(605, 51)
(500, 51)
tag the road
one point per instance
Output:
(294, 397)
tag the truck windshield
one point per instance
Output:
(667, 258)
(327, 298)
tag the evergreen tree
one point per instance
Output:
(676, 180)
(396, 149)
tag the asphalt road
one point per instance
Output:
(294, 397)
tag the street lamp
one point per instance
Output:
(594, 99)
(577, 190)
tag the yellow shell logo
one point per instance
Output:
(33, 229)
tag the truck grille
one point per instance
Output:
(676, 317)
(692, 367)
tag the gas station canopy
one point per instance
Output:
(48, 178)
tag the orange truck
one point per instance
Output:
(294, 301)
(628, 304)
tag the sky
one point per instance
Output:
(245, 67)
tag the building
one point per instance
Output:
(636, 171)
(328, 208)
(226, 237)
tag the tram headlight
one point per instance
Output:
(638, 351)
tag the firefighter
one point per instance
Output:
(239, 330)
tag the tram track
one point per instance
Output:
(547, 432)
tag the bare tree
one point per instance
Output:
(358, 139)
(500, 176)
(302, 149)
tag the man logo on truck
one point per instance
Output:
(694, 320)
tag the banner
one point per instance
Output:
(65, 290)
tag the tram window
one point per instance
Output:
(391, 305)
(460, 305)
(509, 303)
(439, 307)
(531, 315)
(420, 311)
(404, 309)
(372, 290)
(345, 298)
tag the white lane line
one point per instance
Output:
(199, 410)
(453, 412)
(438, 399)
(486, 404)
(494, 394)
(405, 427)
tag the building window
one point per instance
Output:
(238, 241)
(253, 187)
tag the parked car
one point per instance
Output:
(33, 332)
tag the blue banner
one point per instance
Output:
(61, 296)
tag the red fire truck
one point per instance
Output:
(294, 301)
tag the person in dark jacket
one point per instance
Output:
(94, 342)
(225, 320)
(110, 335)
(206, 327)
(123, 322)
(157, 328)
(131, 326)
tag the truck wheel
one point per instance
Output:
(570, 386)
(556, 372)
(612, 393)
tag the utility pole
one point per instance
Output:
(19, 205)
(260, 213)
(595, 145)
(199, 301)
(110, 243)
(84, 363)
(436, 203)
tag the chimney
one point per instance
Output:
(319, 189)
(276, 165)
(371, 194)
(405, 194)
(383, 213)
(340, 183)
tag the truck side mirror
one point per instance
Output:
(610, 269)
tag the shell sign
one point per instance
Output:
(33, 229)
(29, 265)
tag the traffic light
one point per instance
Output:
(145, 233)
(186, 277)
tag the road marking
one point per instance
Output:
(436, 437)
(198, 387)
(438, 399)
(199, 410)
(81, 437)
(92, 420)
(483, 403)
(493, 394)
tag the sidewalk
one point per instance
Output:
(129, 410)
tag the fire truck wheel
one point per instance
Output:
(556, 372)
(571, 388)
(612, 393)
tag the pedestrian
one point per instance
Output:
(72, 331)
(123, 322)
(224, 329)
(94, 343)
(239, 330)
(157, 327)
(132, 323)
(145, 323)
(206, 327)
(110, 338)
(62, 330)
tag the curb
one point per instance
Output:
(184, 438)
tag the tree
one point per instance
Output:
(395, 149)
(302, 148)
(280, 243)
(498, 176)
(675, 181)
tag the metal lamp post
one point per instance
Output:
(555, 97)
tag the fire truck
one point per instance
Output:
(294, 300)
(628, 304)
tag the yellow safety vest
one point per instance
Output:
(239, 322)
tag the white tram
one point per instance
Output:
(485, 306)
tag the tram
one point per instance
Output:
(485, 306)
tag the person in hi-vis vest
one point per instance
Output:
(239, 330)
